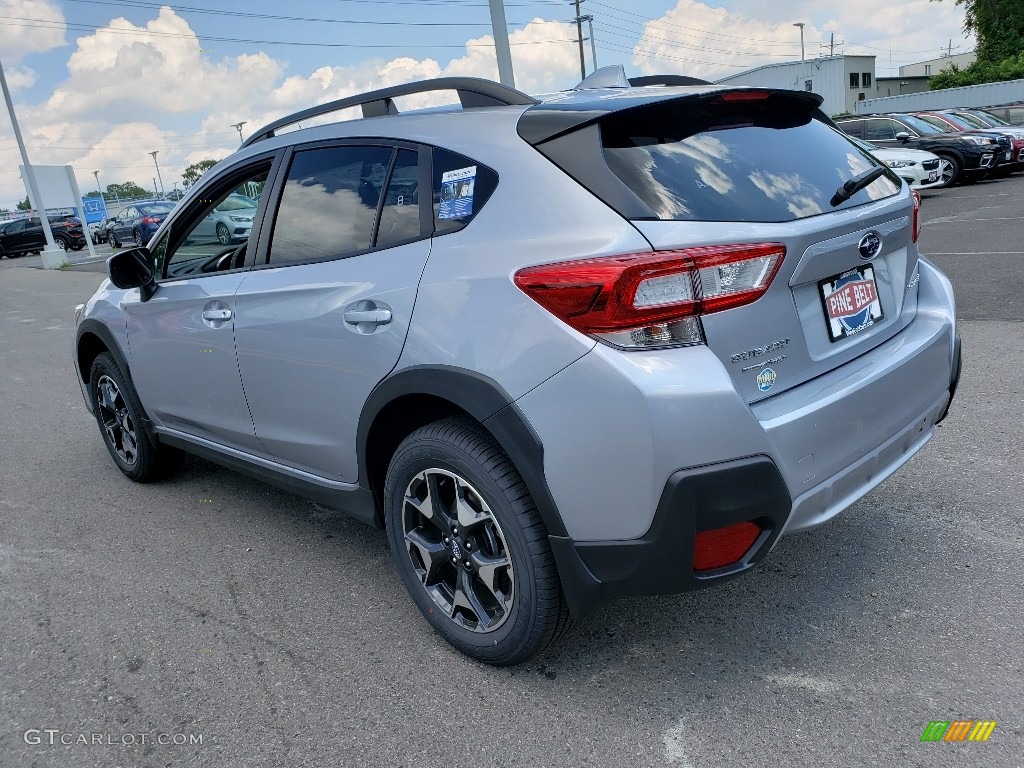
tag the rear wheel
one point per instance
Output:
(469, 544)
(61, 243)
(119, 415)
(138, 238)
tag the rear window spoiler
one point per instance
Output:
(577, 109)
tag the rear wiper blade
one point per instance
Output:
(855, 185)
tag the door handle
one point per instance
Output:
(375, 316)
(216, 314)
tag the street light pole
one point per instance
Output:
(238, 127)
(98, 188)
(801, 25)
(154, 153)
(502, 51)
(30, 179)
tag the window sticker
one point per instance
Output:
(457, 193)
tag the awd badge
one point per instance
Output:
(765, 379)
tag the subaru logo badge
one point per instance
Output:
(870, 246)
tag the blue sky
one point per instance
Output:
(100, 83)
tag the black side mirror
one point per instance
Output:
(133, 269)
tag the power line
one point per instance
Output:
(46, 24)
(270, 17)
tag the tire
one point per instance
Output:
(950, 168)
(507, 604)
(2, 252)
(113, 240)
(138, 238)
(61, 243)
(120, 417)
(223, 236)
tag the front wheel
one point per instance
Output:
(114, 243)
(223, 236)
(470, 546)
(950, 169)
(119, 415)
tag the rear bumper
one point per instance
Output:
(797, 459)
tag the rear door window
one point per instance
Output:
(765, 160)
(329, 204)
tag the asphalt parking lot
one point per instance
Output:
(214, 609)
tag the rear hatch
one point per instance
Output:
(695, 167)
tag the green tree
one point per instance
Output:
(998, 26)
(25, 205)
(193, 173)
(126, 189)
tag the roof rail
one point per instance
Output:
(473, 92)
(638, 82)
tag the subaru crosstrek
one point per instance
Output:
(616, 341)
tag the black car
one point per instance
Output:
(964, 157)
(26, 235)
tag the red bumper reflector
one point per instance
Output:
(720, 547)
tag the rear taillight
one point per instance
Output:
(151, 220)
(720, 547)
(916, 224)
(645, 300)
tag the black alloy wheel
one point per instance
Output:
(470, 546)
(120, 418)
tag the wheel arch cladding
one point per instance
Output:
(420, 395)
(94, 339)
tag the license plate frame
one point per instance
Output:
(850, 302)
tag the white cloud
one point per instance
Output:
(20, 77)
(706, 41)
(18, 39)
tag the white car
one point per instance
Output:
(920, 169)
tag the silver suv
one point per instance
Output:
(613, 342)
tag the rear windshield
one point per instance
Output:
(757, 161)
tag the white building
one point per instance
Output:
(934, 66)
(841, 80)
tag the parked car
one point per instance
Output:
(947, 120)
(988, 122)
(963, 158)
(1011, 113)
(23, 236)
(230, 221)
(137, 222)
(98, 232)
(920, 169)
(615, 342)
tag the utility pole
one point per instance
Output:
(501, 47)
(158, 176)
(832, 45)
(801, 25)
(238, 127)
(98, 188)
(579, 34)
